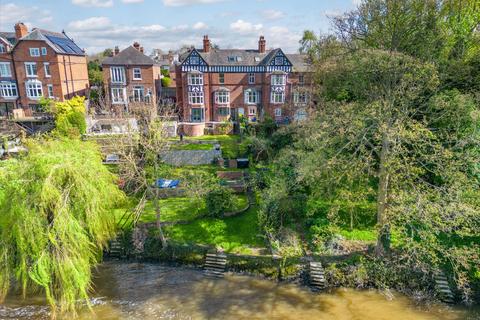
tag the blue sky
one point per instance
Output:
(170, 24)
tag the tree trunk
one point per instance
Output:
(159, 224)
(383, 240)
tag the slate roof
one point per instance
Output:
(300, 62)
(129, 56)
(9, 36)
(59, 42)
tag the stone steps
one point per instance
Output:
(317, 276)
(215, 264)
(115, 249)
(442, 287)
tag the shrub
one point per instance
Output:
(166, 81)
(219, 200)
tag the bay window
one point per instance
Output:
(195, 97)
(198, 114)
(278, 79)
(222, 97)
(277, 97)
(195, 79)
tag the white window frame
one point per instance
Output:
(3, 49)
(195, 79)
(138, 93)
(202, 115)
(300, 97)
(119, 95)
(50, 90)
(8, 90)
(117, 74)
(277, 97)
(34, 52)
(252, 96)
(5, 70)
(251, 78)
(279, 79)
(30, 67)
(279, 61)
(278, 112)
(35, 87)
(222, 97)
(46, 68)
(44, 51)
(196, 98)
(136, 72)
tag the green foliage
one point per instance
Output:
(166, 82)
(95, 75)
(70, 117)
(218, 201)
(55, 220)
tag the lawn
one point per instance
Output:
(192, 146)
(235, 234)
(231, 146)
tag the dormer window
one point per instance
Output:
(137, 74)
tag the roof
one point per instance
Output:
(129, 56)
(60, 42)
(8, 36)
(300, 62)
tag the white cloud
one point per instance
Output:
(178, 3)
(356, 2)
(132, 1)
(241, 26)
(93, 3)
(93, 23)
(11, 13)
(199, 26)
(272, 14)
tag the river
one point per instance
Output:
(153, 291)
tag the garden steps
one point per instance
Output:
(115, 249)
(215, 264)
(442, 287)
(317, 276)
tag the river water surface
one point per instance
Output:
(152, 291)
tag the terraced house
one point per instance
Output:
(215, 85)
(38, 64)
(131, 78)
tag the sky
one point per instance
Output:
(171, 24)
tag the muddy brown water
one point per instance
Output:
(152, 291)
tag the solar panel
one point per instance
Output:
(67, 45)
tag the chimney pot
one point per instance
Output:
(141, 49)
(206, 44)
(116, 51)
(136, 45)
(21, 30)
(262, 44)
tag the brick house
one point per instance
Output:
(215, 85)
(39, 63)
(131, 77)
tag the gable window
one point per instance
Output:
(194, 60)
(252, 96)
(195, 79)
(44, 51)
(118, 95)
(137, 74)
(251, 78)
(195, 97)
(279, 79)
(300, 97)
(301, 79)
(31, 69)
(277, 97)
(2, 48)
(34, 52)
(5, 70)
(138, 93)
(278, 112)
(46, 66)
(50, 90)
(34, 89)
(222, 97)
(8, 90)
(278, 61)
(198, 114)
(221, 78)
(117, 74)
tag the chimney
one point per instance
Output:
(21, 30)
(206, 44)
(116, 51)
(261, 44)
(136, 45)
(141, 49)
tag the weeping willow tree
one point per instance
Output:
(55, 218)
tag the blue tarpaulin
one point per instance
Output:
(166, 183)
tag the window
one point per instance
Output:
(251, 78)
(277, 97)
(8, 90)
(195, 79)
(31, 69)
(50, 90)
(223, 111)
(278, 61)
(44, 51)
(5, 70)
(279, 79)
(252, 97)
(221, 78)
(138, 93)
(34, 52)
(301, 79)
(118, 95)
(194, 60)
(234, 59)
(278, 112)
(195, 97)
(222, 97)
(2, 48)
(46, 66)
(300, 115)
(137, 74)
(252, 111)
(198, 114)
(300, 97)
(257, 59)
(117, 74)
(34, 89)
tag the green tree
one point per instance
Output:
(95, 75)
(70, 117)
(55, 219)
